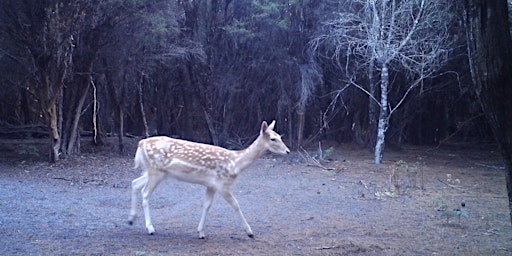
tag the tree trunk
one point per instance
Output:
(383, 115)
(373, 107)
(72, 146)
(211, 128)
(54, 132)
(25, 106)
(300, 130)
(121, 130)
(187, 124)
(142, 112)
(489, 40)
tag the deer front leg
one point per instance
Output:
(210, 193)
(137, 184)
(228, 196)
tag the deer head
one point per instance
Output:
(272, 139)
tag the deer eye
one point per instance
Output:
(273, 139)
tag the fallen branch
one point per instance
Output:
(491, 166)
(458, 187)
(62, 178)
(313, 161)
(83, 181)
(328, 247)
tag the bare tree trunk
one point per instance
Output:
(121, 130)
(489, 40)
(290, 127)
(142, 112)
(300, 130)
(373, 107)
(74, 135)
(383, 115)
(95, 126)
(211, 128)
(358, 129)
(25, 106)
(187, 125)
(54, 132)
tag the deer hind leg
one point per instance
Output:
(152, 182)
(210, 193)
(137, 185)
(228, 196)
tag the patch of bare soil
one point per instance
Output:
(410, 205)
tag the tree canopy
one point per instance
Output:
(211, 71)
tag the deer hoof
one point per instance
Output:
(151, 230)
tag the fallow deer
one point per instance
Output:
(215, 167)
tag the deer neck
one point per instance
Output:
(247, 156)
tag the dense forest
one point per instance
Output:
(373, 73)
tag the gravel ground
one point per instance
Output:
(80, 206)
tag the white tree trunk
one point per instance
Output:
(373, 106)
(383, 115)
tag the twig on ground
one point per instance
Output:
(312, 161)
(62, 178)
(491, 166)
(328, 247)
(458, 187)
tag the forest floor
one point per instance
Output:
(80, 206)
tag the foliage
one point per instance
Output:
(208, 71)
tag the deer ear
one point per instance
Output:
(264, 127)
(271, 126)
